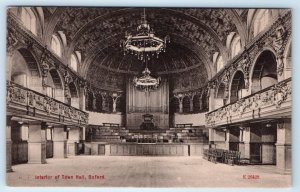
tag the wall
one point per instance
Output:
(197, 119)
(99, 118)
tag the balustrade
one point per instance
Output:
(252, 106)
(33, 101)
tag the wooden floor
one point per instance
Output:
(126, 171)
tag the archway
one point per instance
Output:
(186, 104)
(74, 95)
(98, 102)
(57, 84)
(237, 90)
(174, 105)
(220, 98)
(264, 71)
(196, 103)
(24, 70)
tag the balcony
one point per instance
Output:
(272, 102)
(24, 102)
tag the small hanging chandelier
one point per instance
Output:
(146, 82)
(144, 44)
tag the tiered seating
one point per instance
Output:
(110, 132)
(188, 134)
(221, 155)
(107, 133)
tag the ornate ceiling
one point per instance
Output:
(196, 34)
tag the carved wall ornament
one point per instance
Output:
(12, 40)
(278, 43)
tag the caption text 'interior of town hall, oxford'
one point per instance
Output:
(103, 82)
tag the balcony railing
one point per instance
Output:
(148, 109)
(36, 103)
(272, 100)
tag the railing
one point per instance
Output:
(148, 109)
(252, 105)
(17, 94)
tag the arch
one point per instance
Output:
(89, 101)
(264, 72)
(24, 69)
(74, 95)
(121, 104)
(220, 97)
(219, 63)
(98, 102)
(196, 103)
(174, 105)
(56, 45)
(74, 62)
(29, 19)
(204, 102)
(57, 84)
(258, 20)
(235, 45)
(186, 104)
(109, 103)
(237, 88)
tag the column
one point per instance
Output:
(114, 104)
(73, 140)
(191, 105)
(180, 104)
(36, 142)
(8, 144)
(284, 147)
(246, 139)
(220, 138)
(227, 139)
(60, 141)
(241, 142)
(94, 103)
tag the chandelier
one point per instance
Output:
(146, 82)
(144, 44)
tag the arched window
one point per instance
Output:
(262, 21)
(238, 90)
(235, 46)
(74, 62)
(264, 72)
(220, 63)
(56, 45)
(29, 19)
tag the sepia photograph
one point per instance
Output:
(148, 97)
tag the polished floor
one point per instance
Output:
(127, 171)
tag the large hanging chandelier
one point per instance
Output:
(144, 44)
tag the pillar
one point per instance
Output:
(73, 140)
(241, 142)
(36, 142)
(115, 104)
(180, 104)
(284, 147)
(8, 144)
(60, 142)
(94, 103)
(246, 139)
(219, 138)
(191, 105)
(227, 139)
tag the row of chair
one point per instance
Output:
(222, 155)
